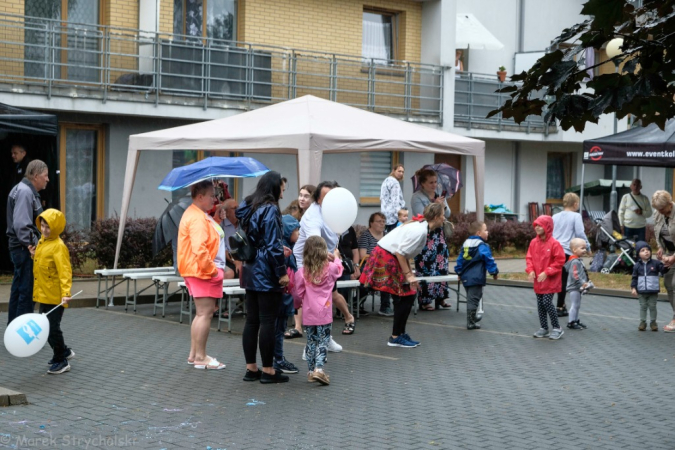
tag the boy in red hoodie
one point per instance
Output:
(545, 259)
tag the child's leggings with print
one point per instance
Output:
(545, 306)
(318, 337)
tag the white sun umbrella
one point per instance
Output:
(470, 33)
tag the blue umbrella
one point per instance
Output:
(212, 167)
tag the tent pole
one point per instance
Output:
(581, 196)
(613, 195)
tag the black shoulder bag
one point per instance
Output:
(240, 246)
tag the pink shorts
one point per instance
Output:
(212, 288)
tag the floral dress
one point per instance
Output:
(433, 261)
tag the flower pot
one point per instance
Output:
(501, 75)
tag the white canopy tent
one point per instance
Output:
(307, 127)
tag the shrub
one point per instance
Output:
(136, 248)
(76, 241)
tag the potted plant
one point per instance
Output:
(501, 73)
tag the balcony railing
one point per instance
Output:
(476, 96)
(55, 58)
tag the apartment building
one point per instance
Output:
(109, 69)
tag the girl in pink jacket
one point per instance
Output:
(545, 259)
(313, 291)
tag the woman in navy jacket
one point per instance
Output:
(264, 277)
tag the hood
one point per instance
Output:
(56, 221)
(546, 222)
(243, 213)
(290, 224)
(639, 245)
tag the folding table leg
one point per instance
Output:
(112, 292)
(154, 308)
(126, 300)
(166, 298)
(220, 308)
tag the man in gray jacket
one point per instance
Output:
(23, 207)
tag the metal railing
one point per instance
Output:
(476, 96)
(69, 59)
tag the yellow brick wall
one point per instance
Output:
(327, 25)
(12, 48)
(333, 26)
(122, 14)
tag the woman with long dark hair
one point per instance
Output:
(264, 277)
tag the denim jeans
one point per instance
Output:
(285, 310)
(631, 233)
(21, 293)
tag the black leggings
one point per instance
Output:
(563, 288)
(402, 307)
(262, 309)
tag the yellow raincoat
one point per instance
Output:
(51, 264)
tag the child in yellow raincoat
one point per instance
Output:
(53, 280)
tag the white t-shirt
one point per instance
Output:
(312, 224)
(408, 240)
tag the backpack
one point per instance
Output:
(240, 247)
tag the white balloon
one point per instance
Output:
(27, 334)
(339, 209)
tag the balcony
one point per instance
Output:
(73, 60)
(476, 96)
(57, 59)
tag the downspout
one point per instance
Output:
(521, 27)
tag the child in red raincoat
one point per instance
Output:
(545, 260)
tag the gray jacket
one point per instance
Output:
(577, 275)
(420, 200)
(23, 207)
(659, 224)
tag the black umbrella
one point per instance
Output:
(167, 225)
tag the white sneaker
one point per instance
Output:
(333, 346)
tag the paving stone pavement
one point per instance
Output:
(602, 388)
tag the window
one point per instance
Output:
(558, 176)
(82, 176)
(380, 36)
(219, 23)
(77, 40)
(375, 167)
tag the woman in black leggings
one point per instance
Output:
(388, 268)
(264, 277)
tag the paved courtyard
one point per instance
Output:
(606, 387)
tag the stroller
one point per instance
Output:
(608, 238)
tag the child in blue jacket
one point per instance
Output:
(475, 258)
(645, 284)
(291, 230)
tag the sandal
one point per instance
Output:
(444, 306)
(349, 328)
(427, 307)
(213, 364)
(292, 333)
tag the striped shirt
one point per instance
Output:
(367, 241)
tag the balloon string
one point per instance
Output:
(62, 302)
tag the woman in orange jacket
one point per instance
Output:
(200, 245)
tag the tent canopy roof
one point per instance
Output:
(307, 123)
(639, 146)
(600, 187)
(16, 120)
